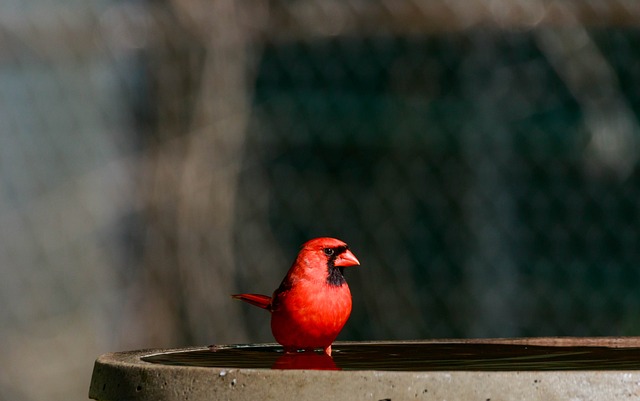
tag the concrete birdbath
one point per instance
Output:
(481, 369)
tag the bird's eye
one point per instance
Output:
(328, 251)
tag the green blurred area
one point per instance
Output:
(467, 154)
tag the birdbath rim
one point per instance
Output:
(126, 375)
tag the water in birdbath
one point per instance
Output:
(419, 356)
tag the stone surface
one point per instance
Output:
(124, 376)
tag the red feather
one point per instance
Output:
(313, 301)
(259, 300)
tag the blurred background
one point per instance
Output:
(479, 156)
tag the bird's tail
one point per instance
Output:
(261, 301)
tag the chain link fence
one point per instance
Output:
(480, 157)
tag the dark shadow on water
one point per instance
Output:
(412, 357)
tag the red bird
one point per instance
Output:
(313, 301)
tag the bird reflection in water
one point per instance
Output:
(305, 360)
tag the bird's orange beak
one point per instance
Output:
(346, 259)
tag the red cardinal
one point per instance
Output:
(313, 301)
